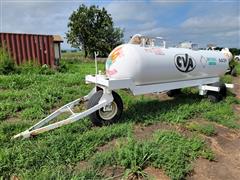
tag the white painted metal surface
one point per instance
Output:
(40, 128)
(231, 86)
(148, 64)
(112, 84)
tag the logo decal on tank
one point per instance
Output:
(222, 60)
(111, 72)
(184, 62)
(203, 61)
(114, 55)
(211, 61)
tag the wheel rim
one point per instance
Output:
(108, 115)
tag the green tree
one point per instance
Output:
(234, 51)
(92, 29)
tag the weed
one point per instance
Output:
(208, 154)
(222, 113)
(7, 65)
(207, 129)
(167, 150)
(238, 68)
(227, 79)
(32, 67)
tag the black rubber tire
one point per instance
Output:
(234, 72)
(174, 92)
(223, 88)
(214, 96)
(95, 117)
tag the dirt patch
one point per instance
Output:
(155, 173)
(236, 109)
(142, 132)
(81, 166)
(200, 121)
(184, 130)
(113, 172)
(12, 120)
(236, 90)
(108, 146)
(205, 170)
(226, 147)
(15, 178)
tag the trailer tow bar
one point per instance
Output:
(39, 128)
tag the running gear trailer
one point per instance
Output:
(142, 67)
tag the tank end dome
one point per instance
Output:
(114, 56)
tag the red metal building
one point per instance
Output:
(45, 49)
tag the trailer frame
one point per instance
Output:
(108, 85)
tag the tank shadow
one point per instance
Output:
(150, 110)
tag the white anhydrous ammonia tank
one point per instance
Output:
(151, 65)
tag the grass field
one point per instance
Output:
(28, 96)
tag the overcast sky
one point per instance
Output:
(201, 22)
